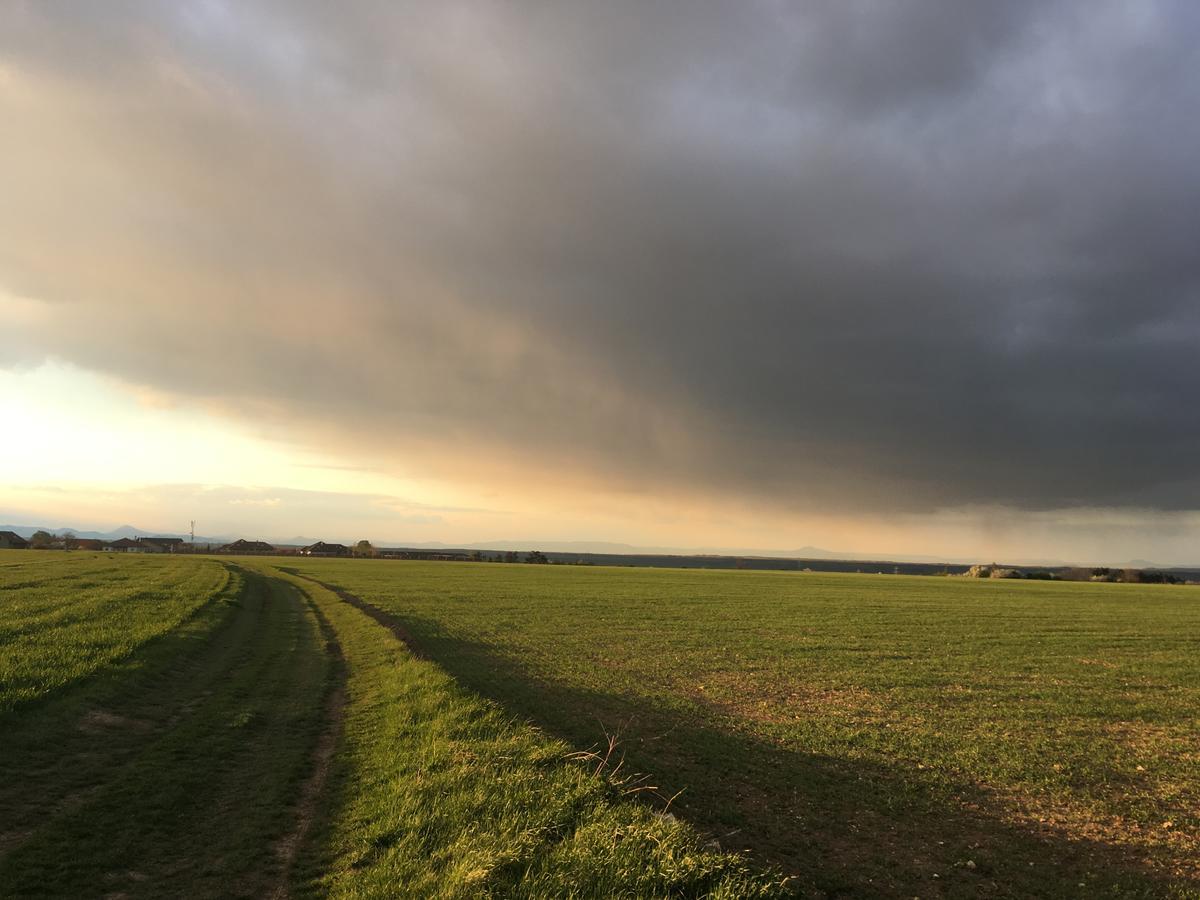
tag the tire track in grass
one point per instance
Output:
(199, 807)
(59, 752)
(308, 805)
(387, 620)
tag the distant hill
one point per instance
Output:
(615, 553)
(298, 541)
(123, 531)
(803, 553)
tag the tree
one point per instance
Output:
(364, 548)
(69, 541)
(537, 557)
(41, 540)
(511, 556)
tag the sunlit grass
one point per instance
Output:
(443, 794)
(858, 730)
(65, 615)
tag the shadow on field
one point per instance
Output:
(844, 828)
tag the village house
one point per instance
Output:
(168, 544)
(10, 540)
(243, 546)
(139, 545)
(320, 548)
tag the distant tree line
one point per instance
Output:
(536, 557)
(366, 550)
(511, 556)
(1127, 576)
(1076, 573)
(44, 540)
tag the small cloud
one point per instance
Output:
(420, 520)
(151, 398)
(334, 468)
(398, 505)
(265, 501)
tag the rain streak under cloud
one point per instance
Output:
(834, 258)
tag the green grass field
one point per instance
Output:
(279, 742)
(64, 615)
(869, 734)
(196, 727)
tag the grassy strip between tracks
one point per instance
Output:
(438, 793)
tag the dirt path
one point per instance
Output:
(58, 755)
(175, 778)
(308, 803)
(388, 621)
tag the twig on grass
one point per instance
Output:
(601, 757)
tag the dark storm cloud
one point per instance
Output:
(888, 256)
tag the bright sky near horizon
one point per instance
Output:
(886, 279)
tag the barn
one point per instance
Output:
(10, 540)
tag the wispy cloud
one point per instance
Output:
(224, 509)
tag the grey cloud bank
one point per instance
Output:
(887, 257)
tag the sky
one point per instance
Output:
(882, 277)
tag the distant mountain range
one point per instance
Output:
(807, 552)
(124, 531)
(591, 547)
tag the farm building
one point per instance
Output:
(88, 544)
(121, 545)
(168, 544)
(143, 545)
(428, 555)
(10, 540)
(244, 546)
(320, 548)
